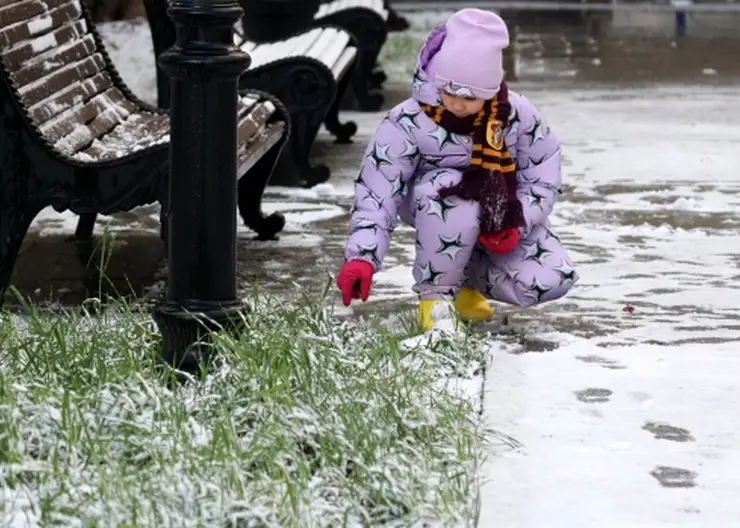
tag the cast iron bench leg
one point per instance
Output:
(85, 226)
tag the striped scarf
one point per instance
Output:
(490, 179)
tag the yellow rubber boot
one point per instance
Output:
(472, 306)
(432, 311)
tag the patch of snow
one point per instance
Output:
(637, 435)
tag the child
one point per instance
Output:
(475, 169)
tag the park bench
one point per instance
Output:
(73, 137)
(308, 73)
(366, 20)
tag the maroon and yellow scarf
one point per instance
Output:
(491, 178)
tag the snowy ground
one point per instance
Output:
(626, 421)
(616, 401)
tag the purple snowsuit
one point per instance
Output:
(406, 163)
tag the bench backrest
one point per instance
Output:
(63, 79)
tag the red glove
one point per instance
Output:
(354, 280)
(502, 242)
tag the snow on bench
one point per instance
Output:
(330, 46)
(339, 5)
(67, 90)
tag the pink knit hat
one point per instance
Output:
(470, 63)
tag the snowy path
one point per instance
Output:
(615, 437)
(632, 419)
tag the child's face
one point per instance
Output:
(462, 106)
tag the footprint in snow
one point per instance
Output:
(593, 395)
(664, 431)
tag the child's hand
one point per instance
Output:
(502, 242)
(354, 280)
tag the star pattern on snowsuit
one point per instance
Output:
(490, 286)
(436, 176)
(494, 280)
(448, 294)
(566, 271)
(366, 225)
(410, 150)
(450, 245)
(374, 198)
(439, 207)
(407, 118)
(398, 187)
(514, 121)
(417, 81)
(378, 156)
(549, 233)
(534, 199)
(434, 161)
(525, 177)
(368, 250)
(443, 138)
(511, 272)
(535, 132)
(359, 178)
(429, 274)
(536, 162)
(536, 252)
(537, 290)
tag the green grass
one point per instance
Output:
(399, 53)
(306, 420)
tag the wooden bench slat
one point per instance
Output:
(329, 46)
(339, 5)
(138, 132)
(32, 51)
(246, 102)
(244, 45)
(67, 99)
(69, 74)
(14, 12)
(319, 46)
(68, 53)
(251, 118)
(266, 53)
(24, 27)
(249, 154)
(344, 62)
(64, 131)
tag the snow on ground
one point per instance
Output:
(625, 418)
(640, 435)
(629, 421)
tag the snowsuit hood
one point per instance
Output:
(423, 89)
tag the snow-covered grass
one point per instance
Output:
(305, 420)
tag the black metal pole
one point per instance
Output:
(204, 67)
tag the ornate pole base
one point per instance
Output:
(185, 329)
